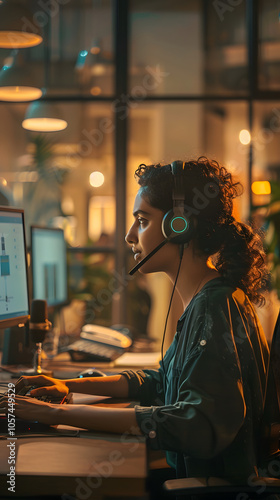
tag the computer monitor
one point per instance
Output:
(49, 265)
(14, 297)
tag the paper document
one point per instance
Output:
(87, 399)
(139, 359)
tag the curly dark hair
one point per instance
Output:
(235, 248)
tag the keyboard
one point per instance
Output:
(46, 398)
(33, 426)
(22, 426)
(85, 350)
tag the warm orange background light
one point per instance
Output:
(18, 39)
(19, 93)
(261, 187)
(44, 124)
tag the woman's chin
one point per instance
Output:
(149, 269)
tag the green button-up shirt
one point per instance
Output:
(204, 404)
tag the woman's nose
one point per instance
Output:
(131, 236)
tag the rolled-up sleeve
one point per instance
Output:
(145, 386)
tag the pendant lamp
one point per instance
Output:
(18, 26)
(43, 117)
(17, 84)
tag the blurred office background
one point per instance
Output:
(136, 81)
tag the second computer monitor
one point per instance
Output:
(49, 265)
(14, 304)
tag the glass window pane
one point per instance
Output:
(266, 145)
(94, 289)
(226, 52)
(76, 56)
(192, 47)
(81, 49)
(49, 174)
(266, 193)
(162, 132)
(90, 277)
(269, 43)
(166, 47)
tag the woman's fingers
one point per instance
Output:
(43, 385)
(40, 380)
(42, 391)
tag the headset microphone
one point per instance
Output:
(143, 261)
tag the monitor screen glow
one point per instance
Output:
(49, 266)
(14, 303)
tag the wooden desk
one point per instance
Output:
(67, 460)
(63, 367)
(90, 466)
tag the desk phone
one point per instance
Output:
(99, 343)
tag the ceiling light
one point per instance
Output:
(244, 136)
(17, 80)
(96, 179)
(43, 117)
(19, 94)
(95, 50)
(95, 46)
(18, 27)
(95, 90)
(17, 84)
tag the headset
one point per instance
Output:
(177, 227)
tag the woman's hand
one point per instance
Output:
(118, 420)
(113, 385)
(46, 385)
(31, 409)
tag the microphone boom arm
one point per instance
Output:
(143, 261)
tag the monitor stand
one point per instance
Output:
(15, 348)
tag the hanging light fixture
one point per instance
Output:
(18, 27)
(17, 84)
(43, 117)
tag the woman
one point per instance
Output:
(204, 404)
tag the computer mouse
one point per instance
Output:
(91, 372)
